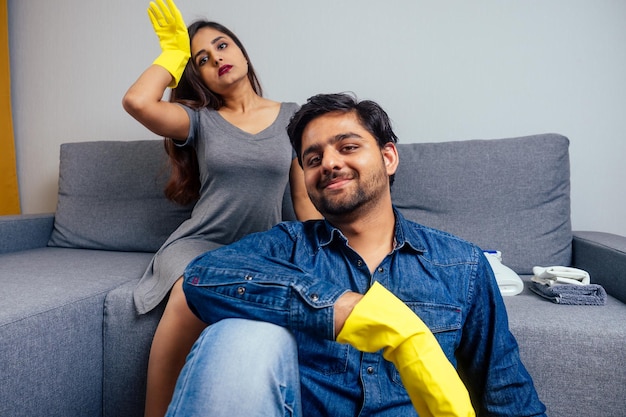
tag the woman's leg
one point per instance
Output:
(176, 333)
(240, 368)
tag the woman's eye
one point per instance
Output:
(203, 61)
(222, 45)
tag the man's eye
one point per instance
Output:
(313, 161)
(349, 148)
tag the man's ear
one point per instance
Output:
(390, 157)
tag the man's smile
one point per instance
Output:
(334, 182)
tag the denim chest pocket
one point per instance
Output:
(438, 317)
(444, 321)
(324, 356)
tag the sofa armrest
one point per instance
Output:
(603, 255)
(26, 231)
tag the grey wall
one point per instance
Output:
(443, 70)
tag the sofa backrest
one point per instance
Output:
(511, 195)
(111, 197)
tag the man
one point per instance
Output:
(298, 290)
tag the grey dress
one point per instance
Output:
(243, 178)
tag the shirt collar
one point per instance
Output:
(406, 237)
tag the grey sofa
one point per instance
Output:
(71, 343)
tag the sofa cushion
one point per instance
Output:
(511, 195)
(51, 327)
(38, 280)
(125, 209)
(581, 371)
(125, 359)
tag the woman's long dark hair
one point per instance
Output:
(183, 186)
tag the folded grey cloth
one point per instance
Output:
(590, 294)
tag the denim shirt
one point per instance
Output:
(292, 275)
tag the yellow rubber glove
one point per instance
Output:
(170, 27)
(382, 321)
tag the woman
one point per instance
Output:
(230, 155)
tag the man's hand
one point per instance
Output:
(380, 320)
(343, 308)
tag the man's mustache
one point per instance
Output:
(326, 180)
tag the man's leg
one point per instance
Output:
(240, 368)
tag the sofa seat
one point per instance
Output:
(582, 336)
(68, 275)
(52, 306)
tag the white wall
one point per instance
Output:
(443, 70)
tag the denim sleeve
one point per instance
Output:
(488, 355)
(255, 278)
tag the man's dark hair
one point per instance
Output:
(372, 117)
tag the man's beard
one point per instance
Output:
(340, 206)
(348, 203)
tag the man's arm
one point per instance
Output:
(343, 307)
(488, 354)
(257, 278)
(380, 320)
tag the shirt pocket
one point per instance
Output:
(324, 356)
(444, 321)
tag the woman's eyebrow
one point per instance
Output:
(203, 51)
(200, 52)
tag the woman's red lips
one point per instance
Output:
(224, 69)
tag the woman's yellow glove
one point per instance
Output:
(382, 321)
(170, 27)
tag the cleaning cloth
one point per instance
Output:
(565, 285)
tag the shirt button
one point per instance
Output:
(381, 270)
(359, 263)
(315, 297)
(370, 370)
(241, 290)
(248, 278)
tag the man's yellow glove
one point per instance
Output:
(382, 321)
(170, 27)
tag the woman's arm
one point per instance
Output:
(143, 100)
(302, 205)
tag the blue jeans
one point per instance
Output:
(240, 368)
